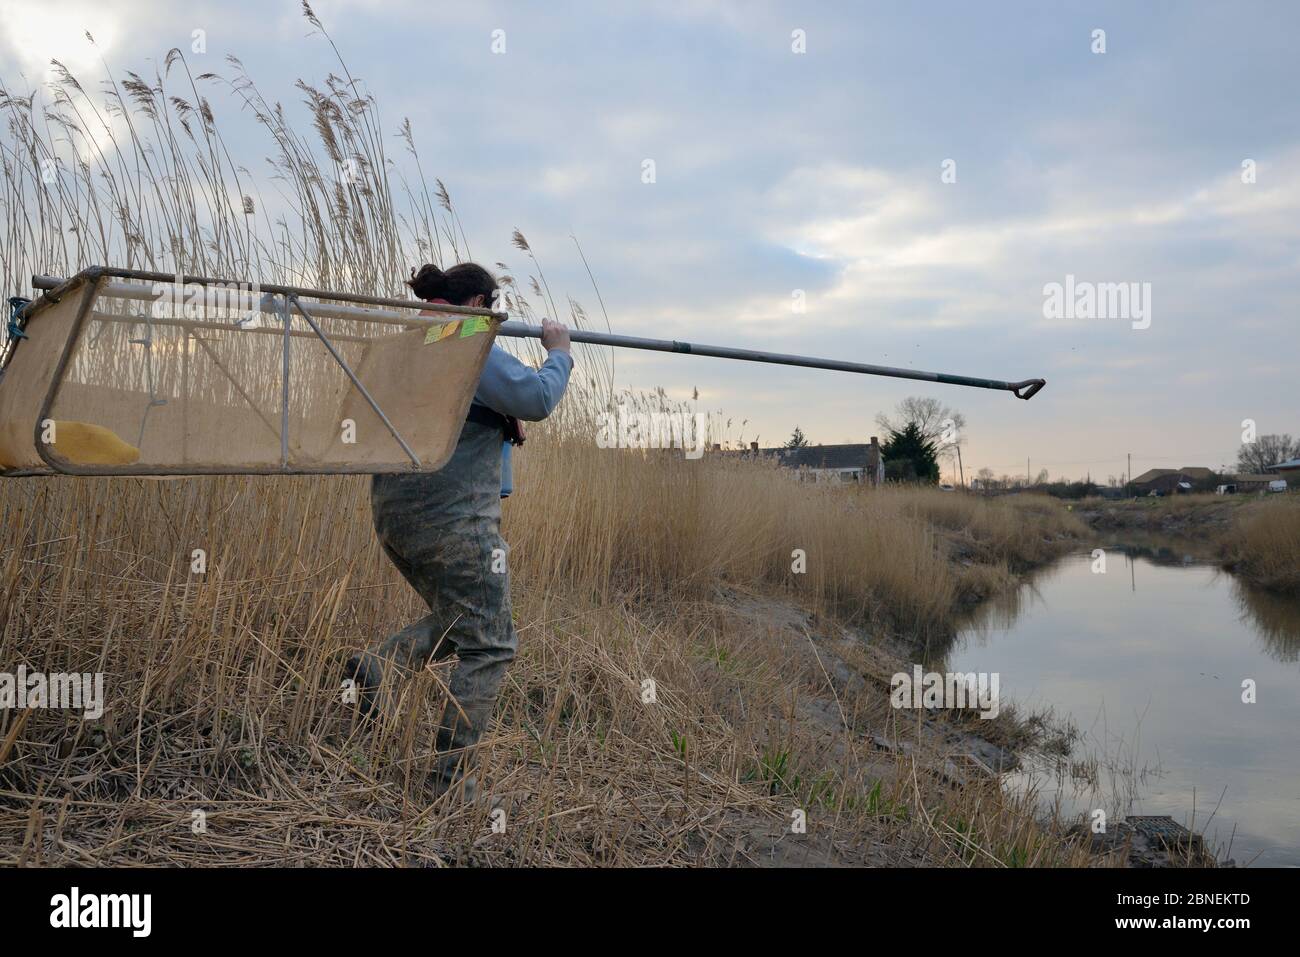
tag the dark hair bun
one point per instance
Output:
(458, 284)
(429, 282)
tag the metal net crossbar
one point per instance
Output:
(119, 375)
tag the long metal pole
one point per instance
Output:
(1029, 386)
(393, 310)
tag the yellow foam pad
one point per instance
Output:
(88, 444)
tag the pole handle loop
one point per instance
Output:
(1031, 388)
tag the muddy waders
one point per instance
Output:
(442, 530)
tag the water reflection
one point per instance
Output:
(1148, 661)
(988, 618)
(1275, 619)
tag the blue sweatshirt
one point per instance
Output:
(513, 388)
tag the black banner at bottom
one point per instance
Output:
(337, 907)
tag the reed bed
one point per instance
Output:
(224, 688)
(227, 739)
(1263, 544)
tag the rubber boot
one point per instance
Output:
(456, 742)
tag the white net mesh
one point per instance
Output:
(169, 379)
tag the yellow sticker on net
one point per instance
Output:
(438, 333)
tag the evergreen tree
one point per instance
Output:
(910, 456)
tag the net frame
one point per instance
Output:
(422, 436)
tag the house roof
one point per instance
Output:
(821, 456)
(1150, 475)
(1187, 471)
(1288, 464)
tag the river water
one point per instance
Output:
(1147, 659)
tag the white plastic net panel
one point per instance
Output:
(168, 379)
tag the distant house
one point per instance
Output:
(1252, 483)
(1172, 481)
(830, 463)
(1288, 470)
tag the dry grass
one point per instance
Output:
(657, 524)
(1020, 530)
(223, 688)
(1263, 544)
(1182, 506)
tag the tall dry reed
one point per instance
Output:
(223, 686)
(1263, 543)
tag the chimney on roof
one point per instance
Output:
(753, 446)
(873, 461)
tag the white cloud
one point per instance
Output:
(37, 31)
(899, 242)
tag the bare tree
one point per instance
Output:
(1254, 458)
(938, 423)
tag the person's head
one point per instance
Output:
(464, 284)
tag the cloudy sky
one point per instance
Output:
(920, 173)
